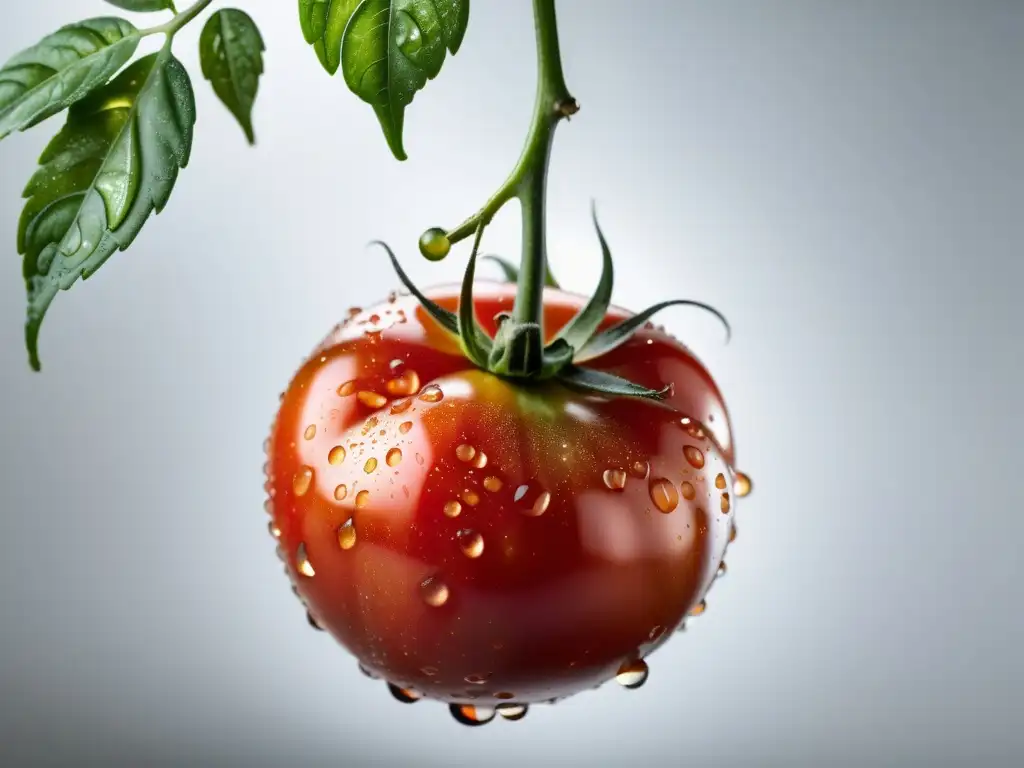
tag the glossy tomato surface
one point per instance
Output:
(481, 541)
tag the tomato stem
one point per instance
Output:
(528, 179)
(179, 20)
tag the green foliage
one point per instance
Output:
(231, 52)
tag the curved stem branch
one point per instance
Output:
(528, 179)
(179, 20)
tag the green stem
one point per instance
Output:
(528, 179)
(179, 20)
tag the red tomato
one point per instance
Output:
(489, 543)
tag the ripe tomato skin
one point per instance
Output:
(482, 541)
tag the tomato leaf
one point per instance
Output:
(323, 25)
(619, 333)
(390, 48)
(113, 163)
(61, 69)
(448, 320)
(231, 52)
(601, 383)
(511, 271)
(144, 5)
(585, 323)
(475, 343)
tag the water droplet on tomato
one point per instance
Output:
(722, 570)
(313, 622)
(733, 533)
(504, 695)
(370, 424)
(302, 480)
(404, 427)
(664, 495)
(492, 483)
(465, 452)
(520, 492)
(370, 466)
(394, 457)
(742, 485)
(471, 543)
(274, 530)
(640, 469)
(310, 432)
(480, 461)
(699, 608)
(615, 479)
(347, 535)
(471, 497)
(720, 481)
(371, 399)
(434, 591)
(512, 711)
(452, 509)
(632, 674)
(397, 363)
(336, 456)
(405, 695)
(401, 406)
(302, 563)
(268, 507)
(431, 394)
(406, 384)
(478, 679)
(341, 492)
(348, 388)
(429, 671)
(693, 456)
(368, 673)
(725, 503)
(434, 244)
(362, 499)
(468, 714)
(689, 492)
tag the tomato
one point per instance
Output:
(491, 543)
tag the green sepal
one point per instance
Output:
(446, 319)
(619, 333)
(601, 383)
(518, 350)
(475, 343)
(585, 323)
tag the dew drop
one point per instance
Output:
(615, 479)
(406, 384)
(540, 505)
(274, 530)
(632, 674)
(434, 591)
(302, 480)
(401, 406)
(452, 509)
(512, 711)
(394, 457)
(419, 459)
(369, 426)
(689, 492)
(478, 679)
(404, 427)
(722, 570)
(431, 394)
(310, 432)
(348, 388)
(505, 695)
(520, 492)
(492, 483)
(465, 452)
(720, 481)
(362, 499)
(374, 319)
(347, 535)
(429, 671)
(404, 695)
(699, 608)
(397, 363)
(471, 543)
(434, 244)
(471, 497)
(664, 495)
(336, 455)
(268, 507)
(340, 492)
(368, 673)
(725, 503)
(302, 563)
(732, 533)
(742, 485)
(313, 622)
(468, 714)
(640, 469)
(370, 466)
(693, 456)
(371, 399)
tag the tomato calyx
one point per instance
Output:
(517, 350)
